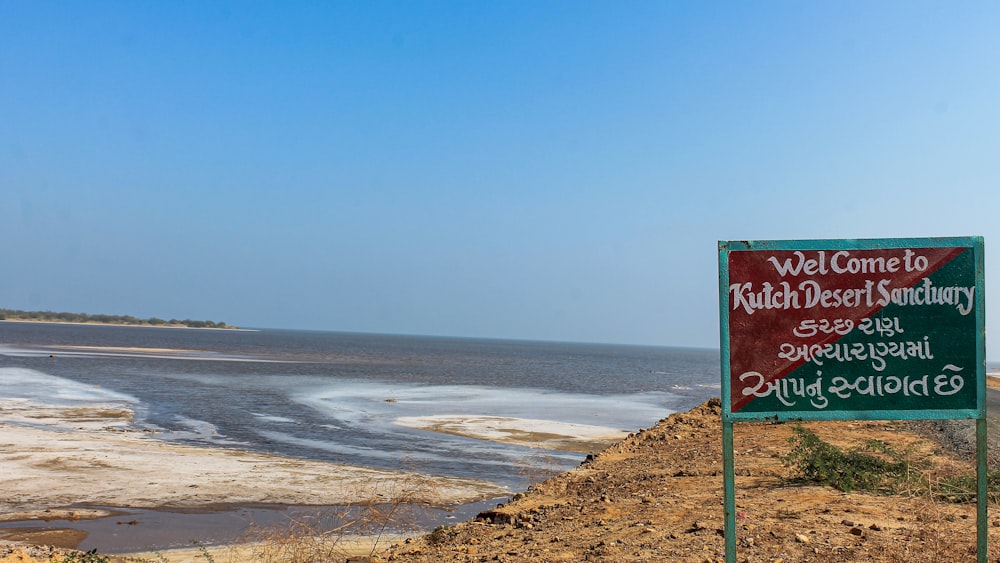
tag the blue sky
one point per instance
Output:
(532, 170)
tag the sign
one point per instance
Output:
(842, 329)
(852, 329)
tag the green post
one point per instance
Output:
(982, 534)
(730, 490)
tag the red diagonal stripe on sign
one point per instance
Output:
(756, 335)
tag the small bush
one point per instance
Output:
(876, 467)
(820, 462)
(89, 557)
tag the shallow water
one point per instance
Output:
(334, 397)
(142, 530)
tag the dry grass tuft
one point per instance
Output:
(933, 540)
(338, 534)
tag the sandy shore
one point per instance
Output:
(534, 433)
(56, 459)
(59, 350)
(84, 461)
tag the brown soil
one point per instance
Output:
(657, 496)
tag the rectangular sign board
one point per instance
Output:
(852, 329)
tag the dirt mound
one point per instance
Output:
(657, 496)
(15, 552)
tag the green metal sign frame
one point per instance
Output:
(876, 329)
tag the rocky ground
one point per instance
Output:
(657, 496)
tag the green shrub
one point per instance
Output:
(89, 557)
(820, 462)
(876, 467)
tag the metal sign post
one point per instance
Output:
(886, 329)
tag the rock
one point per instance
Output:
(801, 538)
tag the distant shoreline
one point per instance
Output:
(137, 325)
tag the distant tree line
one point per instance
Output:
(50, 316)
